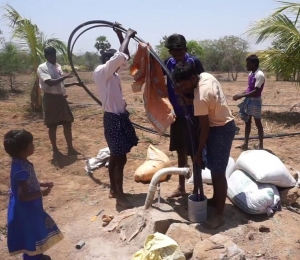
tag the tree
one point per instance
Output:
(2, 40)
(32, 40)
(281, 27)
(226, 54)
(234, 50)
(195, 49)
(102, 44)
(161, 50)
(213, 55)
(10, 62)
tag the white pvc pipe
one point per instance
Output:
(186, 172)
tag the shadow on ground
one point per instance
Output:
(64, 161)
(286, 118)
(137, 200)
(233, 216)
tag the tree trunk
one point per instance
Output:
(35, 96)
(11, 81)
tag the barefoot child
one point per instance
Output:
(251, 107)
(31, 230)
(217, 130)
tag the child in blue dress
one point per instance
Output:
(31, 230)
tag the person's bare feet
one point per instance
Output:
(112, 194)
(214, 223)
(243, 147)
(72, 151)
(124, 202)
(179, 192)
(57, 154)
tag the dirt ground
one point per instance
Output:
(77, 197)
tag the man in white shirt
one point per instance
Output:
(55, 106)
(118, 130)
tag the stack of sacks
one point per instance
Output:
(252, 186)
(206, 175)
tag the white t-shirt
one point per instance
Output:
(109, 84)
(49, 71)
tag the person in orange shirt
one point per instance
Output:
(217, 129)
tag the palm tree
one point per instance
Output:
(31, 39)
(282, 27)
(102, 44)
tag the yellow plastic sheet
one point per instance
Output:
(159, 247)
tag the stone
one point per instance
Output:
(250, 236)
(289, 196)
(134, 225)
(186, 237)
(162, 216)
(264, 229)
(218, 247)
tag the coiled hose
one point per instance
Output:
(101, 23)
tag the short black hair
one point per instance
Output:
(184, 71)
(107, 55)
(49, 50)
(16, 141)
(175, 42)
(253, 59)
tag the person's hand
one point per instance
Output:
(68, 76)
(45, 192)
(237, 97)
(47, 184)
(116, 30)
(131, 33)
(198, 159)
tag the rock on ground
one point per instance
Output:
(186, 237)
(217, 247)
(290, 196)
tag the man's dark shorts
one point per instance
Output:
(180, 136)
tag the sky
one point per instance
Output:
(195, 19)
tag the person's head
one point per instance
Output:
(18, 143)
(186, 77)
(105, 56)
(50, 54)
(176, 44)
(252, 63)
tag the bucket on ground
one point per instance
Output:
(197, 210)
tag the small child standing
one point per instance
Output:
(31, 230)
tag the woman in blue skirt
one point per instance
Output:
(31, 231)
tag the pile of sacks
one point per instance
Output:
(253, 181)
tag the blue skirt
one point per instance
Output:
(119, 133)
(30, 229)
(218, 147)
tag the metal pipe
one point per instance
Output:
(186, 172)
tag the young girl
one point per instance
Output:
(31, 230)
